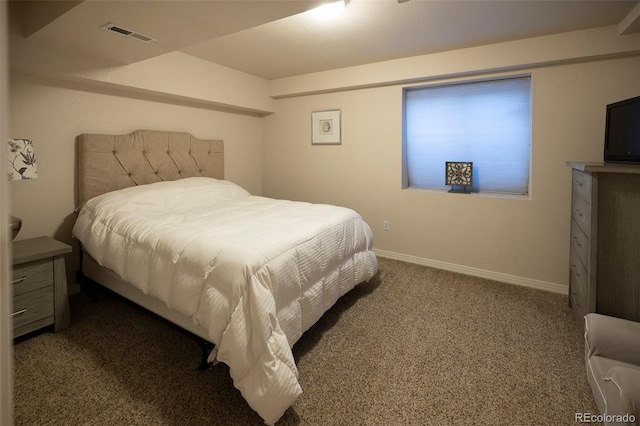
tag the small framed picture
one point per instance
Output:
(325, 127)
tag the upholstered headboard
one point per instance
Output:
(110, 162)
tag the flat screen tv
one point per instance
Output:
(622, 132)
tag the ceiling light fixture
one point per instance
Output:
(329, 10)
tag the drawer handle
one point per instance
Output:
(17, 314)
(574, 270)
(579, 183)
(18, 280)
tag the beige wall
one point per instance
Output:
(53, 114)
(514, 240)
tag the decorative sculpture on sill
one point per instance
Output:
(459, 175)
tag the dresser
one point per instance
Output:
(39, 284)
(604, 257)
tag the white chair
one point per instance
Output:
(612, 356)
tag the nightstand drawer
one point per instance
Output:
(32, 310)
(31, 276)
(39, 279)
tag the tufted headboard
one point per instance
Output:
(110, 162)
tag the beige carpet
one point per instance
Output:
(416, 346)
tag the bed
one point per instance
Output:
(159, 225)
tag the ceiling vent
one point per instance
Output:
(129, 33)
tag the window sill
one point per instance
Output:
(485, 194)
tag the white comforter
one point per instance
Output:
(254, 272)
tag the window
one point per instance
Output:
(486, 122)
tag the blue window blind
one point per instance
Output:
(486, 122)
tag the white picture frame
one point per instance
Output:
(326, 128)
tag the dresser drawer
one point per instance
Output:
(581, 185)
(581, 214)
(579, 311)
(579, 279)
(31, 276)
(579, 289)
(580, 243)
(32, 310)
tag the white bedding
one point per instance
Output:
(254, 272)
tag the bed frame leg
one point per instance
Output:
(87, 285)
(206, 351)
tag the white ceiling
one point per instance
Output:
(274, 38)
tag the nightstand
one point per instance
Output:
(39, 284)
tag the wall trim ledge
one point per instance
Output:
(476, 272)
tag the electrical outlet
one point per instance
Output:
(385, 225)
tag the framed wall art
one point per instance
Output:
(326, 127)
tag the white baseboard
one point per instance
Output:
(496, 276)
